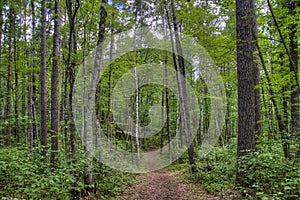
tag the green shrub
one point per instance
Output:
(27, 175)
(273, 176)
(216, 172)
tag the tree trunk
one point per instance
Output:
(130, 124)
(95, 82)
(137, 118)
(138, 5)
(1, 100)
(16, 89)
(31, 86)
(295, 111)
(43, 79)
(246, 28)
(162, 122)
(8, 85)
(110, 114)
(24, 105)
(54, 86)
(183, 91)
(168, 110)
(72, 9)
(1, 86)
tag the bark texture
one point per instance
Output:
(246, 29)
(54, 85)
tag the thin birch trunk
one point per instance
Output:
(137, 118)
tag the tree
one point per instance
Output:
(16, 74)
(54, 85)
(95, 81)
(135, 77)
(72, 9)
(292, 53)
(246, 29)
(135, 80)
(1, 84)
(180, 67)
(293, 64)
(9, 77)
(32, 79)
(43, 79)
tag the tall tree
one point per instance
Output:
(165, 93)
(72, 9)
(138, 5)
(16, 74)
(182, 89)
(294, 60)
(246, 29)
(168, 109)
(95, 81)
(43, 79)
(54, 85)
(162, 121)
(8, 110)
(1, 86)
(110, 114)
(292, 54)
(31, 85)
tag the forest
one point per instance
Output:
(157, 99)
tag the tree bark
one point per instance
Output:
(43, 79)
(162, 121)
(168, 110)
(54, 86)
(137, 118)
(295, 111)
(95, 81)
(8, 84)
(135, 82)
(72, 9)
(1, 86)
(31, 85)
(110, 114)
(183, 91)
(16, 89)
(245, 28)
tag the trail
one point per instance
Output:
(163, 185)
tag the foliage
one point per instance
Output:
(274, 176)
(26, 175)
(216, 172)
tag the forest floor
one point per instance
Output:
(163, 184)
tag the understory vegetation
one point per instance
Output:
(273, 176)
(26, 174)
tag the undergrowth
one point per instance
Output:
(271, 174)
(25, 174)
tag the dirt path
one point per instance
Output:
(151, 160)
(162, 185)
